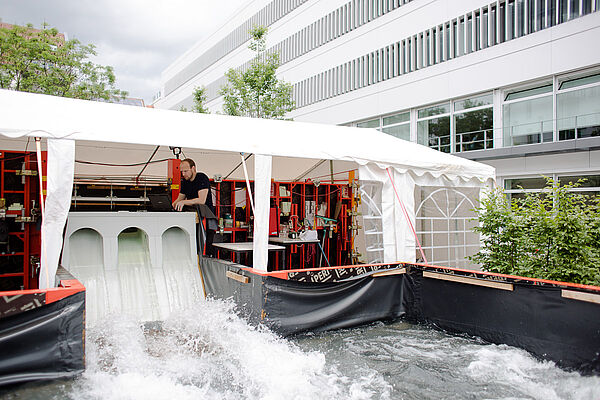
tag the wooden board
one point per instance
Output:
(237, 277)
(581, 296)
(396, 271)
(469, 281)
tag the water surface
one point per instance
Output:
(207, 352)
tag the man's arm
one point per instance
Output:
(201, 199)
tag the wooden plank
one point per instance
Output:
(469, 281)
(582, 296)
(237, 277)
(397, 271)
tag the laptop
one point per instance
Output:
(160, 202)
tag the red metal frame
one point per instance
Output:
(329, 193)
(29, 190)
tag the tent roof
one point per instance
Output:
(49, 116)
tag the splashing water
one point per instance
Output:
(208, 352)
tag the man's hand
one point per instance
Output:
(180, 204)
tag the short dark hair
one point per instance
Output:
(190, 162)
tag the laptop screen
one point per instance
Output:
(160, 202)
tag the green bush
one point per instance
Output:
(554, 234)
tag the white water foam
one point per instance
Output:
(208, 352)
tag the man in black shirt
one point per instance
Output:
(195, 190)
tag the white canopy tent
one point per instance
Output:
(379, 156)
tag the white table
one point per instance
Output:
(247, 247)
(296, 242)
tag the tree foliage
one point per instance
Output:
(199, 101)
(41, 61)
(256, 92)
(553, 235)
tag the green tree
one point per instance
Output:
(41, 61)
(256, 92)
(553, 235)
(199, 102)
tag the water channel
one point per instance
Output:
(208, 352)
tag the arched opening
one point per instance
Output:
(86, 263)
(136, 279)
(181, 272)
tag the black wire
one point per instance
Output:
(121, 165)
(233, 170)
(146, 164)
(13, 158)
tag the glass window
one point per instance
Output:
(474, 130)
(373, 123)
(435, 133)
(400, 131)
(396, 118)
(580, 82)
(590, 181)
(578, 113)
(525, 183)
(435, 110)
(473, 102)
(528, 121)
(529, 92)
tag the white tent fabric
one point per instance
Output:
(61, 156)
(41, 115)
(262, 193)
(54, 117)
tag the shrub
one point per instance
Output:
(554, 234)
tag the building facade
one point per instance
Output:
(511, 83)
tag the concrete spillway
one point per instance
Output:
(142, 264)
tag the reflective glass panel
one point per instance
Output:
(578, 113)
(529, 92)
(374, 123)
(396, 118)
(473, 102)
(525, 183)
(435, 133)
(474, 130)
(435, 110)
(399, 131)
(528, 121)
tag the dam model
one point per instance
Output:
(315, 227)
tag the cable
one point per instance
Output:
(121, 165)
(237, 166)
(137, 178)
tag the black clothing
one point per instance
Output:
(190, 189)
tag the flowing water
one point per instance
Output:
(208, 352)
(203, 350)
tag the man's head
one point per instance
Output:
(188, 169)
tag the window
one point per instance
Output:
(397, 125)
(527, 116)
(578, 108)
(373, 123)
(433, 127)
(517, 188)
(444, 222)
(474, 123)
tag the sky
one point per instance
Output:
(138, 38)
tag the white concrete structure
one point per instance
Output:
(144, 263)
(512, 83)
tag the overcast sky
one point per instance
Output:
(139, 38)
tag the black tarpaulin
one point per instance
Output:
(531, 315)
(43, 343)
(293, 307)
